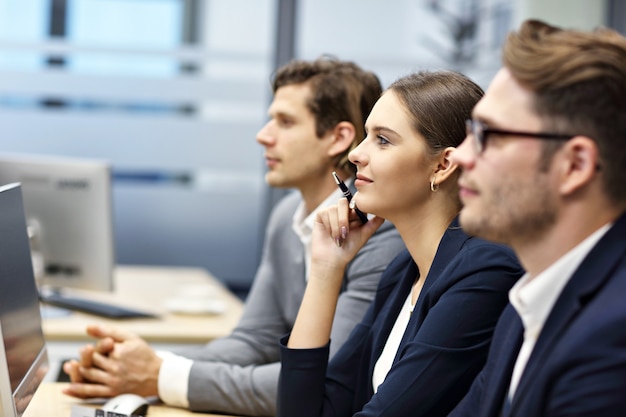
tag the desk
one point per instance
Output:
(147, 288)
(50, 401)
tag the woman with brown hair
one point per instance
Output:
(427, 333)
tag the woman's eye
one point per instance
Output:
(382, 140)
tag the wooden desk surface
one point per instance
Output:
(50, 401)
(149, 288)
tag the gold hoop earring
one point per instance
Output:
(434, 187)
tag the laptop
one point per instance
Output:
(23, 353)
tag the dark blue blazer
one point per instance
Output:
(578, 365)
(444, 347)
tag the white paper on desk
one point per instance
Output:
(187, 305)
(196, 299)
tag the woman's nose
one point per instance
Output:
(357, 155)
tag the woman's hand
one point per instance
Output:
(338, 235)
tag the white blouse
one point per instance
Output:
(383, 364)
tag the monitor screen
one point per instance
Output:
(68, 205)
(23, 354)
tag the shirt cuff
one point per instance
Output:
(173, 381)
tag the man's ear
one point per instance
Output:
(579, 162)
(342, 137)
(444, 167)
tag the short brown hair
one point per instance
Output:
(579, 82)
(340, 91)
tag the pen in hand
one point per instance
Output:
(347, 194)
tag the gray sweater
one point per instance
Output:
(238, 374)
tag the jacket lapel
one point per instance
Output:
(508, 345)
(590, 276)
(451, 242)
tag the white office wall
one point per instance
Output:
(398, 37)
(575, 14)
(394, 38)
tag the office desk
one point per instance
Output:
(147, 288)
(50, 401)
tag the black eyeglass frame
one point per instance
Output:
(480, 131)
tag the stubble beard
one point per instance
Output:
(514, 214)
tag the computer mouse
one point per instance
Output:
(127, 404)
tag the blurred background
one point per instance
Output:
(172, 92)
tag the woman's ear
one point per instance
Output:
(343, 137)
(444, 168)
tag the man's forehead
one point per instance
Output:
(506, 103)
(290, 98)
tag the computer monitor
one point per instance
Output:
(23, 354)
(69, 212)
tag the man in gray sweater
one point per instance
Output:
(315, 119)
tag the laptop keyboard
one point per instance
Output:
(97, 308)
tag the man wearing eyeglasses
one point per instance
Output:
(544, 171)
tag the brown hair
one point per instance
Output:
(438, 103)
(340, 91)
(579, 82)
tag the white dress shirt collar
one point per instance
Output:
(533, 299)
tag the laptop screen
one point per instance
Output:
(23, 355)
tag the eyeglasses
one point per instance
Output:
(480, 132)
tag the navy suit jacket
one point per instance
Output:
(578, 365)
(444, 346)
